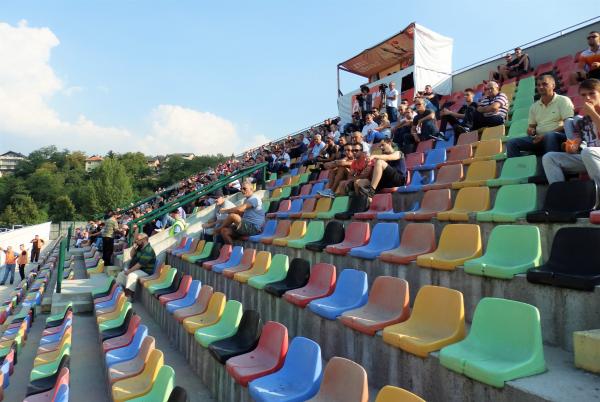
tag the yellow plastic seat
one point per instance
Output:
(211, 316)
(437, 320)
(275, 194)
(478, 173)
(493, 133)
(49, 357)
(390, 393)
(468, 200)
(486, 150)
(197, 251)
(112, 314)
(261, 265)
(98, 269)
(163, 274)
(297, 231)
(323, 205)
(458, 243)
(141, 384)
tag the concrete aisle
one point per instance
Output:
(184, 375)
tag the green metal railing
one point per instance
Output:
(193, 196)
(62, 253)
(129, 206)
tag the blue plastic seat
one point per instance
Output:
(5, 370)
(439, 144)
(294, 172)
(298, 380)
(434, 157)
(63, 394)
(186, 247)
(277, 183)
(391, 215)
(188, 300)
(313, 192)
(128, 352)
(385, 236)
(351, 291)
(56, 336)
(268, 231)
(234, 259)
(112, 300)
(417, 181)
(294, 208)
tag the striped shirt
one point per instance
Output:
(501, 99)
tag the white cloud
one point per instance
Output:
(28, 82)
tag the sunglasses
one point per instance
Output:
(592, 37)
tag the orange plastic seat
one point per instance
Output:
(357, 234)
(343, 381)
(417, 239)
(458, 243)
(245, 264)
(323, 205)
(467, 138)
(434, 201)
(468, 200)
(282, 230)
(307, 206)
(380, 203)
(387, 305)
(297, 231)
(199, 305)
(445, 177)
(260, 267)
(457, 154)
(133, 367)
(478, 174)
(211, 316)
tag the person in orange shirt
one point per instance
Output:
(11, 260)
(22, 261)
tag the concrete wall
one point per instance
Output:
(550, 50)
(24, 236)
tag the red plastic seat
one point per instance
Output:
(414, 159)
(595, 217)
(267, 358)
(424, 146)
(457, 154)
(321, 283)
(245, 264)
(110, 295)
(184, 286)
(434, 201)
(282, 230)
(308, 205)
(199, 305)
(468, 138)
(304, 190)
(179, 246)
(54, 330)
(323, 176)
(125, 339)
(445, 177)
(284, 206)
(357, 234)
(417, 239)
(380, 203)
(543, 68)
(224, 255)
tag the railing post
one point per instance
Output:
(69, 234)
(61, 263)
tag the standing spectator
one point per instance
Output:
(389, 170)
(143, 260)
(37, 245)
(22, 261)
(365, 101)
(391, 102)
(108, 241)
(546, 116)
(176, 221)
(461, 120)
(492, 108)
(586, 157)
(247, 219)
(589, 60)
(11, 263)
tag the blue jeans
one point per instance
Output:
(549, 143)
(392, 113)
(9, 269)
(376, 136)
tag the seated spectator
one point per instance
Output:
(247, 219)
(355, 125)
(404, 125)
(328, 153)
(338, 169)
(298, 149)
(432, 100)
(492, 107)
(358, 138)
(383, 130)
(360, 168)
(584, 157)
(282, 165)
(589, 60)
(462, 120)
(516, 65)
(423, 127)
(546, 117)
(214, 225)
(232, 188)
(369, 127)
(389, 170)
(315, 150)
(143, 259)
(333, 132)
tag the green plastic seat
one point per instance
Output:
(526, 86)
(165, 283)
(277, 272)
(511, 250)
(518, 128)
(48, 369)
(340, 204)
(513, 202)
(505, 343)
(522, 101)
(314, 232)
(224, 328)
(162, 387)
(104, 288)
(61, 315)
(206, 251)
(520, 113)
(303, 179)
(273, 176)
(285, 193)
(515, 171)
(118, 321)
(266, 205)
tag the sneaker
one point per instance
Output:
(326, 193)
(368, 191)
(439, 136)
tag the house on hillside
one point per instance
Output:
(153, 163)
(92, 162)
(8, 162)
(186, 156)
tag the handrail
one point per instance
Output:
(192, 196)
(139, 202)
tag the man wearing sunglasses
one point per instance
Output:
(589, 60)
(545, 132)
(247, 219)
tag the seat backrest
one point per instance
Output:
(473, 199)
(284, 206)
(399, 203)
(283, 228)
(520, 113)
(316, 188)
(481, 170)
(437, 200)
(385, 233)
(273, 206)
(518, 128)
(489, 147)
(250, 327)
(571, 196)
(225, 252)
(296, 205)
(381, 203)
(334, 232)
(232, 314)
(343, 380)
(467, 138)
(269, 229)
(323, 175)
(216, 304)
(322, 276)
(303, 361)
(460, 237)
(390, 393)
(389, 293)
(516, 197)
(489, 133)
(154, 363)
(314, 230)
(358, 232)
(414, 159)
(262, 261)
(424, 146)
(449, 174)
(571, 252)
(435, 156)
(305, 190)
(358, 203)
(439, 307)
(309, 205)
(523, 241)
(297, 230)
(520, 167)
(506, 328)
(273, 341)
(279, 264)
(204, 297)
(248, 257)
(416, 235)
(350, 285)
(276, 193)
(460, 152)
(323, 204)
(299, 272)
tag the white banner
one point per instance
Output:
(433, 60)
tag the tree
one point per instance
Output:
(45, 185)
(23, 210)
(111, 185)
(9, 217)
(62, 209)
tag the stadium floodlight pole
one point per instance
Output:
(192, 196)
(61, 263)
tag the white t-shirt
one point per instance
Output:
(391, 93)
(285, 158)
(369, 127)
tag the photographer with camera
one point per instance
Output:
(391, 102)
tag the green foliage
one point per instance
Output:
(23, 210)
(111, 184)
(62, 209)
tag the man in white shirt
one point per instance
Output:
(391, 102)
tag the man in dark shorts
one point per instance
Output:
(246, 220)
(389, 170)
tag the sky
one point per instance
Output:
(207, 77)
